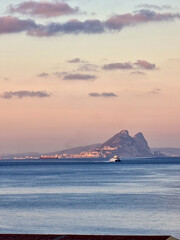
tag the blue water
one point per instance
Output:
(90, 197)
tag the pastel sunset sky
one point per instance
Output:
(76, 72)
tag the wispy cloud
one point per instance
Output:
(24, 94)
(155, 91)
(76, 60)
(44, 74)
(104, 94)
(138, 73)
(153, 6)
(88, 67)
(60, 74)
(139, 64)
(4, 78)
(79, 76)
(144, 93)
(90, 26)
(45, 9)
(85, 66)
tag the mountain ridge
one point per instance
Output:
(120, 144)
(124, 145)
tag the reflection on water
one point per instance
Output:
(89, 198)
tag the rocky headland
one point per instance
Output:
(122, 144)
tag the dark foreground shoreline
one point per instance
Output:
(83, 237)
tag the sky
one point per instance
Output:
(76, 72)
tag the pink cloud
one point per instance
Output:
(10, 24)
(43, 9)
(117, 22)
(143, 64)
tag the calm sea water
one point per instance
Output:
(90, 198)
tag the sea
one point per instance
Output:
(85, 196)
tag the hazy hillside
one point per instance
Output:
(20, 155)
(168, 151)
(76, 150)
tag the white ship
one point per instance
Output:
(115, 159)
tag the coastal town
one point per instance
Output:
(97, 153)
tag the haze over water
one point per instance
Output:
(89, 198)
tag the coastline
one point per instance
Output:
(142, 160)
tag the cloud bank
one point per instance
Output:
(116, 23)
(24, 94)
(88, 67)
(45, 9)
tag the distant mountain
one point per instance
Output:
(76, 150)
(122, 144)
(167, 151)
